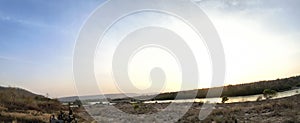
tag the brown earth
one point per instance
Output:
(284, 110)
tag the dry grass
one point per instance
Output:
(275, 111)
(19, 105)
(23, 117)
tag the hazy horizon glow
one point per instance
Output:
(261, 40)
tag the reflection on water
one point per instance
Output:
(231, 99)
(217, 100)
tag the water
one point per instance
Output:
(231, 99)
(218, 100)
(103, 103)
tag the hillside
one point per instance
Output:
(23, 106)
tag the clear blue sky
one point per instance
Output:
(37, 38)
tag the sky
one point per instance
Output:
(261, 41)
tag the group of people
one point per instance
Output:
(63, 118)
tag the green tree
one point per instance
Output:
(268, 93)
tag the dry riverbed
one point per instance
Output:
(284, 110)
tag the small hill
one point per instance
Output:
(20, 105)
(20, 99)
(18, 91)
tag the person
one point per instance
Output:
(70, 112)
(52, 117)
(70, 117)
(61, 116)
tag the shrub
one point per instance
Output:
(298, 85)
(135, 106)
(224, 99)
(268, 93)
(78, 103)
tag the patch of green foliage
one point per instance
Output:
(135, 106)
(268, 93)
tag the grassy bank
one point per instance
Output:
(284, 110)
(21, 106)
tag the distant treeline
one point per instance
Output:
(278, 85)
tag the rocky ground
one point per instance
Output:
(284, 110)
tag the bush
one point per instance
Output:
(268, 93)
(135, 106)
(224, 99)
(298, 85)
(78, 103)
